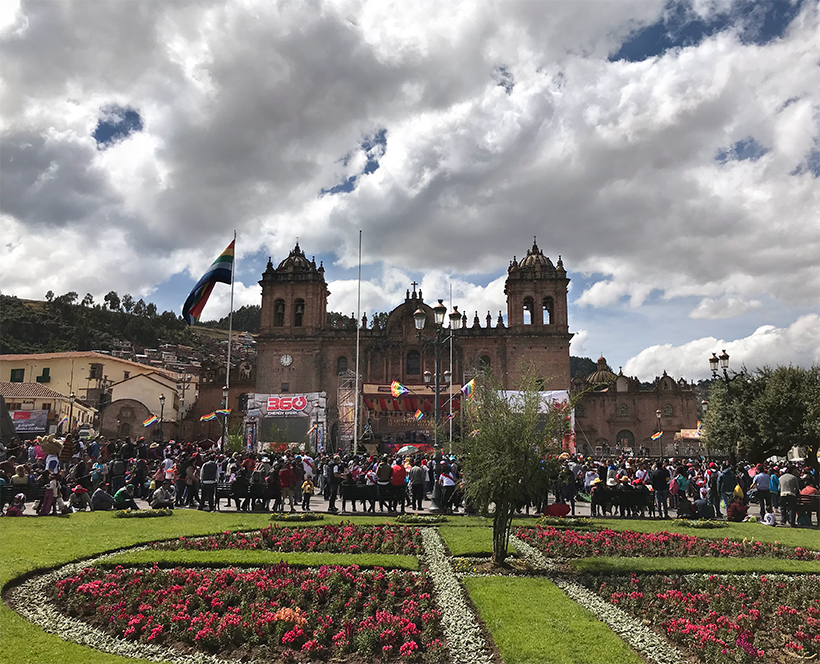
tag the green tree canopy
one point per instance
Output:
(510, 453)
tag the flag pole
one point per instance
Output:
(452, 375)
(358, 332)
(230, 335)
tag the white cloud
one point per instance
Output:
(797, 344)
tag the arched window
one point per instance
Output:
(667, 410)
(341, 365)
(529, 306)
(279, 313)
(623, 410)
(485, 364)
(413, 363)
(547, 310)
(298, 312)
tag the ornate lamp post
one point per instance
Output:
(161, 414)
(723, 361)
(658, 417)
(441, 338)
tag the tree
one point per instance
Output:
(88, 300)
(127, 303)
(510, 456)
(151, 310)
(766, 412)
(379, 319)
(112, 300)
(139, 308)
(338, 321)
(49, 296)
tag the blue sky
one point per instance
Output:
(668, 151)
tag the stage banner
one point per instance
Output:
(30, 421)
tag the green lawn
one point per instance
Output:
(701, 564)
(469, 541)
(533, 622)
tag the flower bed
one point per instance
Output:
(273, 613)
(725, 619)
(297, 517)
(142, 514)
(421, 519)
(562, 543)
(342, 538)
(704, 524)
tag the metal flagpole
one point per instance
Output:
(358, 331)
(452, 376)
(230, 335)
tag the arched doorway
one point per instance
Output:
(625, 438)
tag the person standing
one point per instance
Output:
(417, 478)
(659, 479)
(307, 493)
(762, 480)
(727, 481)
(287, 480)
(789, 489)
(208, 477)
(398, 488)
(337, 470)
(384, 473)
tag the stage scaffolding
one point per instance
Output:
(347, 408)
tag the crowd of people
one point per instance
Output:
(102, 474)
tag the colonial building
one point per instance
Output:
(300, 353)
(616, 414)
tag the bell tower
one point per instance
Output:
(537, 293)
(294, 296)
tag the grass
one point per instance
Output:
(469, 541)
(533, 622)
(239, 557)
(614, 565)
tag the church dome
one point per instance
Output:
(295, 262)
(602, 375)
(534, 258)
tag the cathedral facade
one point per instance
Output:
(298, 352)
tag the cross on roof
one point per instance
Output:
(414, 284)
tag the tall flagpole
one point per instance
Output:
(358, 332)
(452, 376)
(230, 335)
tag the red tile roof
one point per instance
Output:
(29, 390)
(90, 354)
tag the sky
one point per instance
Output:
(669, 152)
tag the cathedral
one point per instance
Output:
(299, 353)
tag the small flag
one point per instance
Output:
(419, 415)
(474, 433)
(450, 416)
(700, 428)
(151, 420)
(221, 271)
(655, 436)
(397, 389)
(62, 421)
(469, 389)
(208, 417)
(312, 429)
(223, 411)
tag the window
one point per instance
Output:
(579, 411)
(528, 310)
(298, 312)
(279, 313)
(623, 410)
(17, 375)
(126, 375)
(285, 387)
(485, 364)
(547, 310)
(95, 371)
(44, 377)
(667, 411)
(413, 363)
(341, 365)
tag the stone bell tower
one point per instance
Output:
(537, 293)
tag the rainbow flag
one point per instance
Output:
(469, 389)
(223, 411)
(151, 420)
(474, 433)
(62, 421)
(397, 389)
(700, 428)
(450, 416)
(655, 436)
(419, 415)
(221, 271)
(312, 429)
(208, 417)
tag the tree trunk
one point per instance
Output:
(501, 526)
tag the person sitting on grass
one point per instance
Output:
(79, 499)
(163, 497)
(737, 511)
(101, 499)
(17, 505)
(768, 518)
(124, 498)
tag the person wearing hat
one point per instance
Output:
(17, 505)
(80, 499)
(163, 497)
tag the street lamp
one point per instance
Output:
(71, 398)
(723, 361)
(225, 418)
(442, 337)
(161, 414)
(658, 417)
